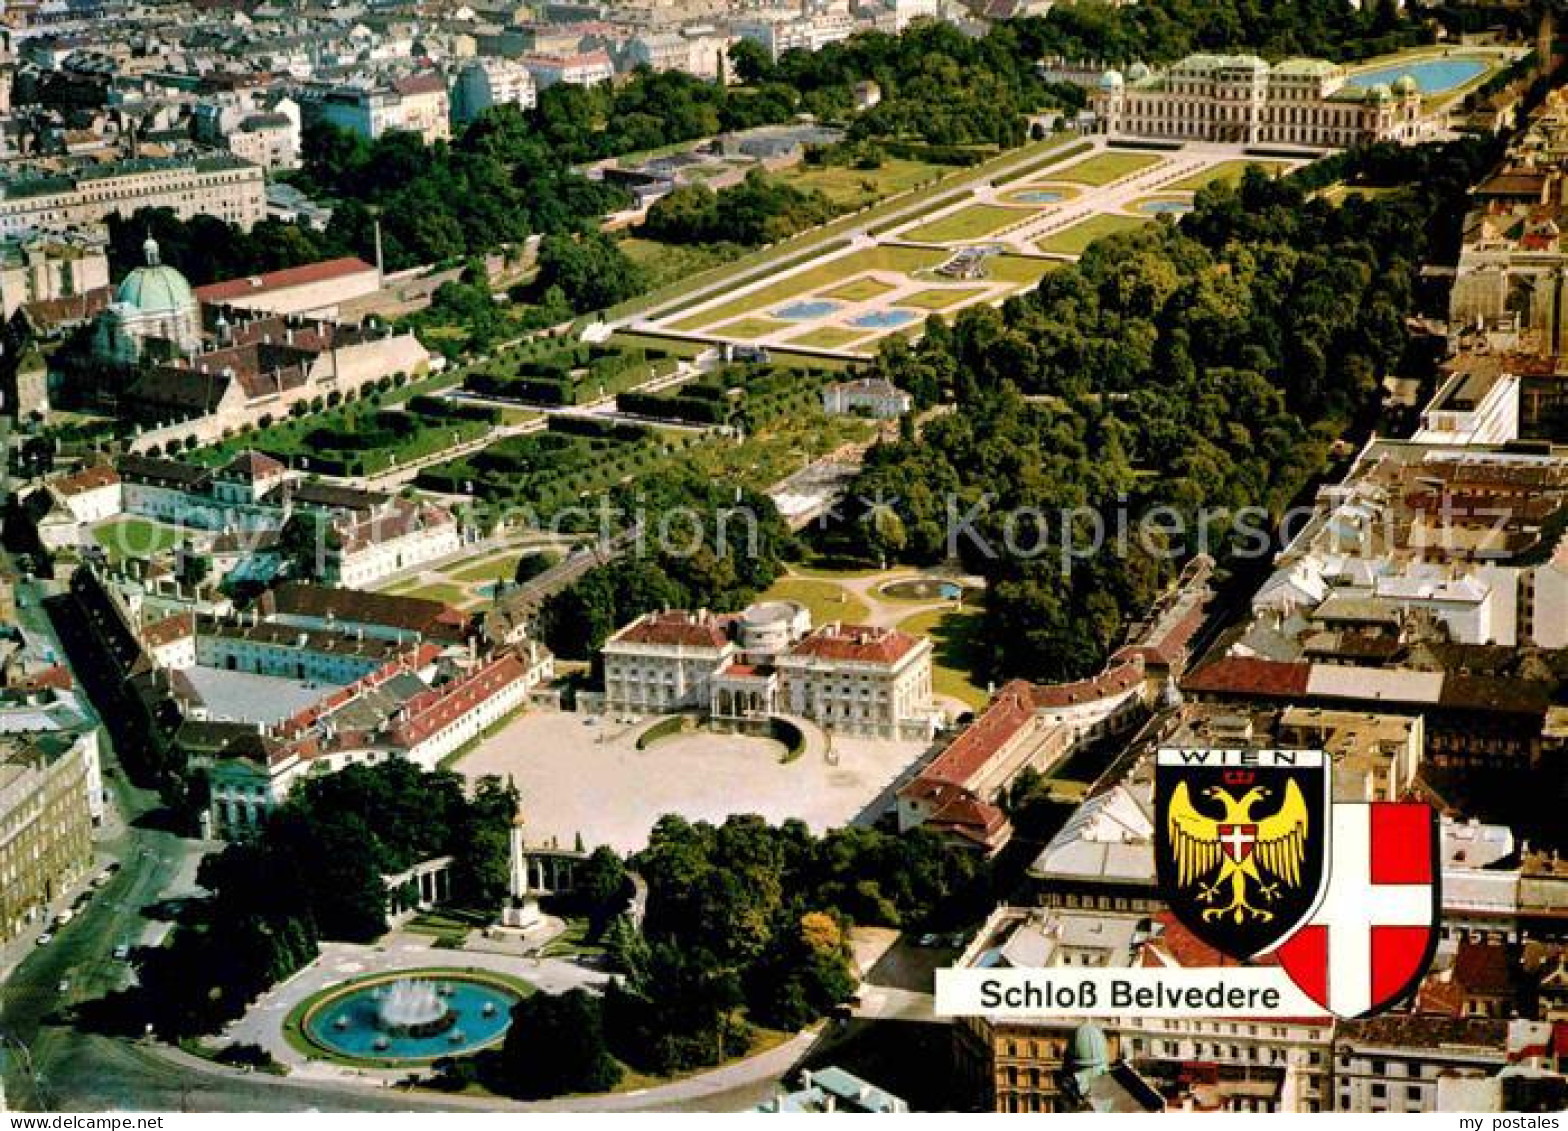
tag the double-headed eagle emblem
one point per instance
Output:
(1238, 857)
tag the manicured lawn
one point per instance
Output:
(667, 263)
(678, 347)
(502, 568)
(940, 298)
(436, 591)
(953, 636)
(124, 538)
(751, 328)
(1107, 166)
(1339, 193)
(826, 601)
(966, 224)
(1228, 171)
(828, 338)
(1075, 239)
(860, 290)
(859, 187)
(573, 943)
(819, 277)
(1019, 270)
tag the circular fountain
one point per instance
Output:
(415, 1009)
(410, 1017)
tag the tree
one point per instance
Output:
(556, 1045)
(590, 270)
(751, 62)
(602, 886)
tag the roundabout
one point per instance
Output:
(406, 1017)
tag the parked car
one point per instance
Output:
(45, 939)
(64, 986)
(122, 952)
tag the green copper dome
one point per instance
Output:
(1089, 1050)
(155, 289)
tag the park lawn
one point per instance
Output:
(818, 277)
(751, 328)
(1019, 270)
(124, 538)
(858, 187)
(435, 591)
(502, 568)
(828, 338)
(966, 224)
(667, 263)
(860, 290)
(677, 347)
(1107, 166)
(940, 298)
(1229, 172)
(826, 601)
(954, 634)
(1340, 192)
(1074, 240)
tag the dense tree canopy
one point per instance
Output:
(759, 210)
(703, 545)
(315, 872)
(1199, 366)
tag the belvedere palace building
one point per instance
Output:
(850, 678)
(1241, 99)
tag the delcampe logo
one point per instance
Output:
(1255, 858)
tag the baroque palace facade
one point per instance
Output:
(1241, 99)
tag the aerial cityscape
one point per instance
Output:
(836, 556)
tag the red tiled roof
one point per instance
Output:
(1247, 675)
(1010, 711)
(428, 714)
(1113, 681)
(857, 643)
(676, 628)
(420, 84)
(230, 289)
(69, 310)
(56, 678)
(254, 465)
(87, 479)
(1483, 968)
(168, 630)
(354, 606)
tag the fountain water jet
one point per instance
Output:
(413, 1008)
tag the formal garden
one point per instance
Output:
(558, 373)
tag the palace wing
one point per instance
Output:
(1282, 837)
(1195, 839)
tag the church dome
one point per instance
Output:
(1089, 1051)
(155, 289)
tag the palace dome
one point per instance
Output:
(155, 289)
(1405, 85)
(1088, 1051)
(1379, 93)
(1110, 80)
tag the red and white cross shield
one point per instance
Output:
(1371, 939)
(1238, 841)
